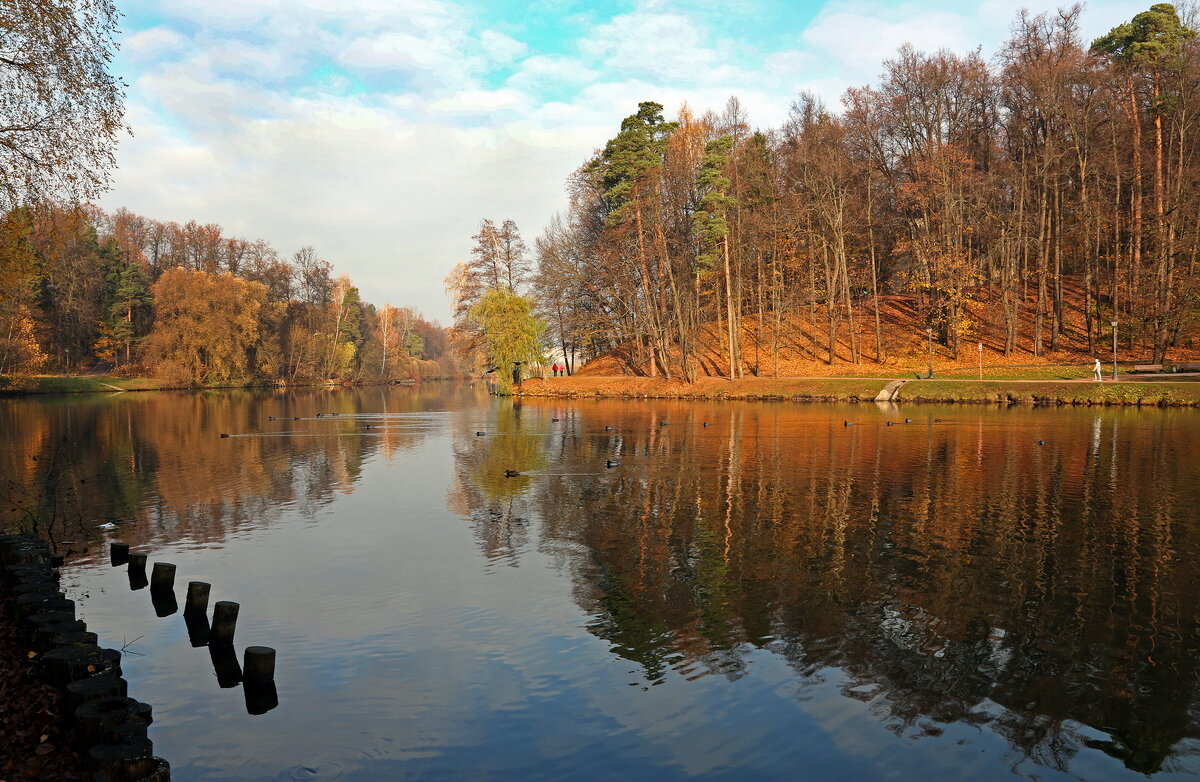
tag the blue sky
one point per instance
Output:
(380, 132)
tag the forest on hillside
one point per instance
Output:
(1057, 182)
(87, 290)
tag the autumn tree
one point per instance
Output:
(511, 331)
(60, 107)
(206, 327)
(19, 348)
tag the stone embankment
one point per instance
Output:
(85, 686)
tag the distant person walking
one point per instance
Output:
(1096, 371)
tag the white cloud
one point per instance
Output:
(662, 46)
(500, 48)
(548, 72)
(854, 39)
(480, 101)
(153, 43)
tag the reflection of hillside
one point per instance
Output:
(955, 573)
(156, 463)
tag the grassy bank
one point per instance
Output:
(74, 384)
(104, 384)
(1134, 392)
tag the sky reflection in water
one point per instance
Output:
(773, 595)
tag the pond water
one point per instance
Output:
(757, 590)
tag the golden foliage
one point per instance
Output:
(207, 326)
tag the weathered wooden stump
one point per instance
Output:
(129, 760)
(41, 636)
(29, 587)
(144, 712)
(145, 769)
(102, 685)
(98, 719)
(163, 577)
(55, 638)
(197, 598)
(118, 554)
(66, 664)
(258, 665)
(52, 617)
(40, 603)
(224, 623)
(137, 562)
(25, 550)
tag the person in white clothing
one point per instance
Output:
(1096, 371)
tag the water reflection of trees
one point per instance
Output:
(156, 463)
(955, 573)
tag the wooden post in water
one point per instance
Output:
(137, 571)
(197, 598)
(258, 665)
(224, 622)
(162, 579)
(119, 554)
(137, 562)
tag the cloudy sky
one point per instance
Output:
(381, 131)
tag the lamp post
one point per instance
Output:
(1113, 323)
(929, 331)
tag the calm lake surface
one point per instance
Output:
(774, 595)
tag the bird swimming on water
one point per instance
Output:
(480, 434)
(611, 463)
(511, 473)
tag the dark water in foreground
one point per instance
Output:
(772, 596)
